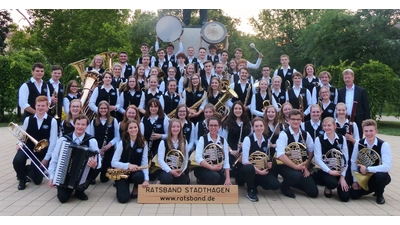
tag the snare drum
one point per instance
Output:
(169, 28)
(213, 32)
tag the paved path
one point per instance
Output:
(41, 200)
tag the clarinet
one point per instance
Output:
(205, 128)
(105, 137)
(151, 144)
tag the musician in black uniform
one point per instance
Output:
(56, 90)
(296, 174)
(293, 96)
(201, 60)
(39, 126)
(194, 97)
(328, 107)
(353, 93)
(141, 78)
(117, 78)
(185, 79)
(170, 76)
(161, 62)
(263, 94)
(35, 87)
(171, 98)
(105, 92)
(105, 129)
(145, 50)
(207, 173)
(127, 69)
(235, 128)
(206, 77)
(174, 141)
(314, 125)
(131, 113)
(309, 80)
(81, 138)
(244, 90)
(332, 174)
(272, 130)
(190, 56)
(153, 91)
(97, 64)
(325, 77)
(212, 56)
(380, 170)
(188, 128)
(131, 154)
(154, 127)
(180, 65)
(71, 92)
(251, 174)
(67, 125)
(285, 72)
(132, 95)
(233, 71)
(201, 128)
(214, 93)
(277, 93)
(284, 114)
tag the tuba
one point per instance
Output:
(22, 137)
(174, 159)
(366, 157)
(109, 56)
(90, 81)
(118, 174)
(220, 106)
(212, 153)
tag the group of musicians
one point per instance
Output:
(160, 120)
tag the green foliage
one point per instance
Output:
(5, 23)
(16, 69)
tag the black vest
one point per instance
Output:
(33, 94)
(216, 59)
(328, 111)
(295, 100)
(133, 155)
(101, 71)
(110, 97)
(309, 85)
(202, 129)
(148, 96)
(149, 128)
(281, 98)
(60, 98)
(260, 100)
(264, 146)
(234, 134)
(101, 131)
(342, 130)
(67, 129)
(206, 141)
(128, 71)
(291, 138)
(204, 82)
(38, 134)
(84, 142)
(172, 60)
(314, 133)
(170, 104)
(194, 61)
(242, 95)
(213, 100)
(132, 99)
(326, 145)
(163, 66)
(331, 89)
(116, 83)
(192, 98)
(78, 96)
(288, 77)
(187, 130)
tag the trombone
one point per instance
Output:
(22, 136)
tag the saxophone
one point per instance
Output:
(118, 174)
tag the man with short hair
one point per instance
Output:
(35, 87)
(127, 69)
(294, 170)
(352, 93)
(190, 56)
(56, 90)
(285, 72)
(380, 171)
(144, 48)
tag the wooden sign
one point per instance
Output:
(184, 194)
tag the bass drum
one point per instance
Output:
(213, 32)
(169, 28)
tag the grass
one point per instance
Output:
(389, 128)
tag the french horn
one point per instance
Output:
(213, 154)
(259, 160)
(335, 160)
(366, 157)
(296, 152)
(174, 159)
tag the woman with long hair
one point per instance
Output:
(131, 113)
(170, 76)
(273, 128)
(72, 92)
(131, 154)
(171, 98)
(153, 91)
(257, 101)
(154, 127)
(325, 77)
(235, 127)
(192, 95)
(105, 92)
(174, 141)
(67, 125)
(132, 95)
(97, 64)
(309, 80)
(250, 174)
(105, 129)
(201, 127)
(314, 125)
(214, 93)
(141, 77)
(284, 114)
(188, 128)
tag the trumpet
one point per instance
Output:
(22, 137)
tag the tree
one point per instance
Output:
(5, 23)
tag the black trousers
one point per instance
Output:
(295, 178)
(332, 182)
(247, 174)
(187, 16)
(122, 186)
(105, 164)
(376, 183)
(167, 178)
(64, 194)
(19, 164)
(206, 176)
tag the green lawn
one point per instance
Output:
(389, 128)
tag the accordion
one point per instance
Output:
(72, 170)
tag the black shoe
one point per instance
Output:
(21, 185)
(287, 192)
(198, 181)
(81, 195)
(104, 179)
(133, 196)
(93, 182)
(328, 195)
(252, 196)
(380, 200)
